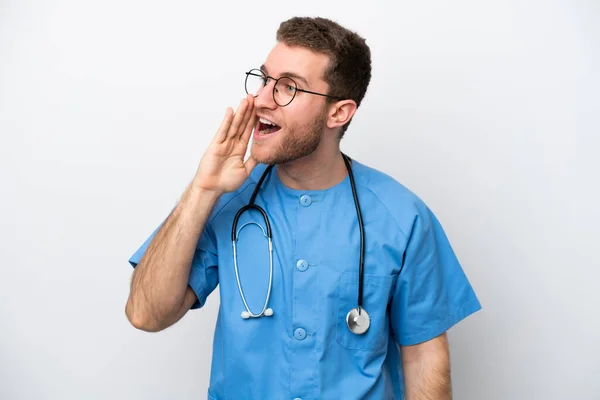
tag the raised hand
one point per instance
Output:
(222, 168)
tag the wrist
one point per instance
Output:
(199, 193)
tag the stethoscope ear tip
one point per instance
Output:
(268, 312)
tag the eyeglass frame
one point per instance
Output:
(296, 90)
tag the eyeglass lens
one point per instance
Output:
(283, 92)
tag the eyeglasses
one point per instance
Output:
(284, 90)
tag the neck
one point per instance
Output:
(318, 171)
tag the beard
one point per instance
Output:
(298, 142)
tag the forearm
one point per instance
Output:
(427, 371)
(160, 280)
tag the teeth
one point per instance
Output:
(266, 121)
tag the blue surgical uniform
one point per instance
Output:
(414, 288)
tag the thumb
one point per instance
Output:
(250, 163)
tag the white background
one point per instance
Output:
(488, 110)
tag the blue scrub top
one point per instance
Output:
(414, 288)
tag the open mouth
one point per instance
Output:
(266, 127)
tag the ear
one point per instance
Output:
(340, 113)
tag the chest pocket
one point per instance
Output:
(376, 295)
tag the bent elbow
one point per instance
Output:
(142, 324)
(141, 321)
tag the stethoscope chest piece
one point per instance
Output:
(358, 321)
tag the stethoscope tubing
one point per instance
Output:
(237, 275)
(354, 314)
(362, 234)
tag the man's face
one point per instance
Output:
(301, 123)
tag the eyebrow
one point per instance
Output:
(287, 74)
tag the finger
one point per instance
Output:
(250, 125)
(222, 131)
(247, 116)
(237, 119)
(250, 164)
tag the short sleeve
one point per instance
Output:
(432, 292)
(204, 270)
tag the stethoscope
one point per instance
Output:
(357, 319)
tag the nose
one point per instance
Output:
(264, 99)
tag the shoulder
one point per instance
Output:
(400, 202)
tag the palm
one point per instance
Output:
(222, 167)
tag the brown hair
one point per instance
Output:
(349, 71)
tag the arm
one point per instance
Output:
(159, 294)
(427, 370)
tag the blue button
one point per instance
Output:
(300, 334)
(302, 265)
(305, 200)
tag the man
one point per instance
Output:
(300, 323)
